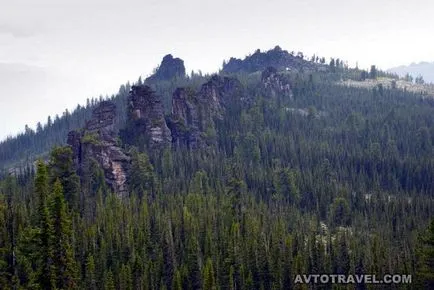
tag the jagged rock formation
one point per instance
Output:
(194, 113)
(278, 58)
(219, 91)
(169, 68)
(275, 84)
(147, 116)
(185, 122)
(98, 141)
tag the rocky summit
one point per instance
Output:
(169, 68)
(277, 57)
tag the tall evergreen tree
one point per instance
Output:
(46, 270)
(63, 257)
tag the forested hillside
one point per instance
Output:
(239, 180)
(18, 152)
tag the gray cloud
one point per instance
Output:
(22, 88)
(16, 31)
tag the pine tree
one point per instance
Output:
(340, 212)
(63, 258)
(90, 282)
(208, 276)
(249, 281)
(109, 281)
(125, 279)
(46, 274)
(142, 177)
(177, 281)
(61, 167)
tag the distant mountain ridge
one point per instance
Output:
(425, 69)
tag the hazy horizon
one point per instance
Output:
(54, 56)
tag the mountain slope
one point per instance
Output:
(238, 180)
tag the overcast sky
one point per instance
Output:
(56, 53)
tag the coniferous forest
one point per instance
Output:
(239, 180)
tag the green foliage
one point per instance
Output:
(109, 281)
(333, 180)
(125, 279)
(63, 257)
(340, 212)
(208, 276)
(425, 254)
(91, 138)
(45, 269)
(62, 168)
(285, 184)
(90, 282)
(142, 177)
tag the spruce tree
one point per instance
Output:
(208, 276)
(46, 274)
(63, 258)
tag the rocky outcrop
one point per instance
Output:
(74, 140)
(98, 141)
(219, 91)
(275, 84)
(192, 121)
(185, 122)
(147, 116)
(103, 118)
(277, 57)
(169, 68)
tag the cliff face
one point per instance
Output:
(185, 122)
(275, 84)
(192, 121)
(98, 141)
(219, 91)
(147, 114)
